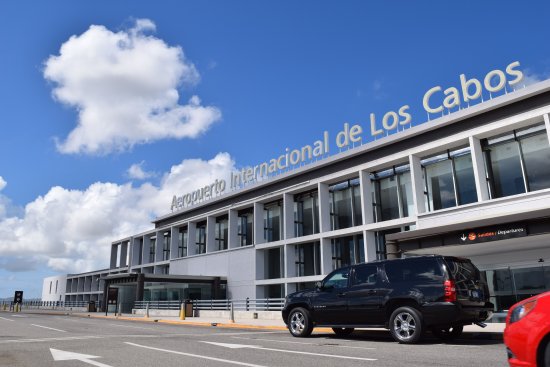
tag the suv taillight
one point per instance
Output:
(450, 291)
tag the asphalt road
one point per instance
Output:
(33, 340)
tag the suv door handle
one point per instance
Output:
(371, 291)
(341, 294)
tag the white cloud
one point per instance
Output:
(136, 171)
(124, 86)
(3, 183)
(71, 230)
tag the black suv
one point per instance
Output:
(406, 296)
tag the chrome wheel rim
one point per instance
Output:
(297, 323)
(404, 325)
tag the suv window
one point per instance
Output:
(367, 274)
(338, 279)
(462, 271)
(412, 269)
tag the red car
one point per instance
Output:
(527, 333)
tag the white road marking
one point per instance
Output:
(133, 327)
(3, 318)
(50, 328)
(48, 339)
(293, 342)
(273, 340)
(195, 355)
(234, 346)
(61, 355)
(23, 317)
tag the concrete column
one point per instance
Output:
(140, 287)
(366, 197)
(326, 256)
(260, 264)
(233, 240)
(479, 169)
(124, 254)
(417, 184)
(259, 223)
(324, 208)
(114, 253)
(547, 124)
(191, 238)
(369, 241)
(174, 238)
(289, 261)
(210, 234)
(288, 216)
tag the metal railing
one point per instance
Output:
(50, 304)
(260, 304)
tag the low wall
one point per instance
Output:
(215, 314)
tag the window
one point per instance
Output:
(274, 263)
(182, 242)
(338, 279)
(306, 214)
(347, 250)
(517, 162)
(345, 204)
(166, 246)
(222, 227)
(307, 259)
(392, 193)
(200, 238)
(152, 249)
(140, 251)
(365, 275)
(273, 221)
(449, 180)
(245, 227)
(56, 283)
(51, 287)
(413, 269)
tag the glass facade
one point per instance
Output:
(183, 239)
(347, 251)
(510, 285)
(345, 204)
(245, 227)
(152, 249)
(517, 162)
(166, 246)
(307, 259)
(222, 229)
(273, 221)
(449, 180)
(200, 237)
(392, 193)
(306, 214)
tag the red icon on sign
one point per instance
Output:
(472, 236)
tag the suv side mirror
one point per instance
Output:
(318, 285)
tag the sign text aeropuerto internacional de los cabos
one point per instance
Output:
(435, 100)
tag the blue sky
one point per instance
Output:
(251, 78)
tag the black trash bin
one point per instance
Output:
(91, 306)
(188, 308)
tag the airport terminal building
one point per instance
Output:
(473, 183)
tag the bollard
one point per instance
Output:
(182, 311)
(231, 313)
(147, 310)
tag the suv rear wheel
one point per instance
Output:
(448, 333)
(406, 325)
(339, 331)
(299, 322)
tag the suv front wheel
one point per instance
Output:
(299, 322)
(406, 325)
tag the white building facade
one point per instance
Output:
(473, 183)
